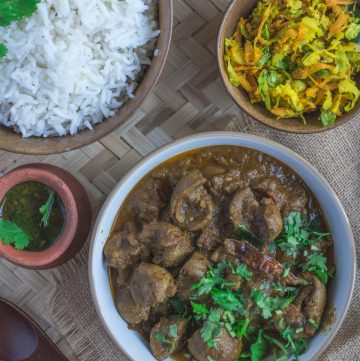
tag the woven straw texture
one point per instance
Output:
(189, 98)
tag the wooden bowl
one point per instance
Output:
(236, 10)
(13, 142)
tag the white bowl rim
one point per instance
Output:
(241, 137)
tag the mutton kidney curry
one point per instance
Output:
(221, 254)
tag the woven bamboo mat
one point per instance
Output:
(188, 93)
(189, 98)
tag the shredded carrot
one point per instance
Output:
(303, 73)
(289, 34)
(340, 22)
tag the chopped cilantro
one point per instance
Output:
(161, 338)
(298, 347)
(263, 302)
(258, 348)
(317, 264)
(277, 343)
(11, 233)
(46, 208)
(292, 235)
(3, 50)
(15, 10)
(213, 278)
(200, 310)
(215, 315)
(229, 328)
(242, 270)
(270, 304)
(229, 316)
(227, 300)
(242, 328)
(313, 323)
(298, 234)
(212, 328)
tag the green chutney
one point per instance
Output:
(21, 206)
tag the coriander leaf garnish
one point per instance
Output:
(227, 300)
(213, 278)
(16, 10)
(173, 330)
(200, 310)
(277, 343)
(10, 233)
(242, 270)
(293, 234)
(241, 330)
(46, 208)
(161, 338)
(270, 304)
(258, 348)
(313, 323)
(215, 315)
(297, 234)
(212, 328)
(317, 264)
(3, 50)
(298, 347)
(263, 302)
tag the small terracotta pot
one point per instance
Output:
(77, 215)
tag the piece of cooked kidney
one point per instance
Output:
(227, 348)
(167, 336)
(170, 244)
(192, 272)
(129, 310)
(191, 205)
(151, 284)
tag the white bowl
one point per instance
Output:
(342, 285)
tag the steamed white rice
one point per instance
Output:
(74, 63)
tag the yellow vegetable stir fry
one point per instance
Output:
(298, 56)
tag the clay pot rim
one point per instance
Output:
(37, 173)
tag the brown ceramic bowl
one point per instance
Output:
(236, 10)
(13, 142)
(77, 215)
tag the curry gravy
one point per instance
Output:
(243, 164)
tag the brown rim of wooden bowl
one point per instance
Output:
(237, 9)
(13, 142)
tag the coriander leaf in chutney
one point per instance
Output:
(35, 210)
